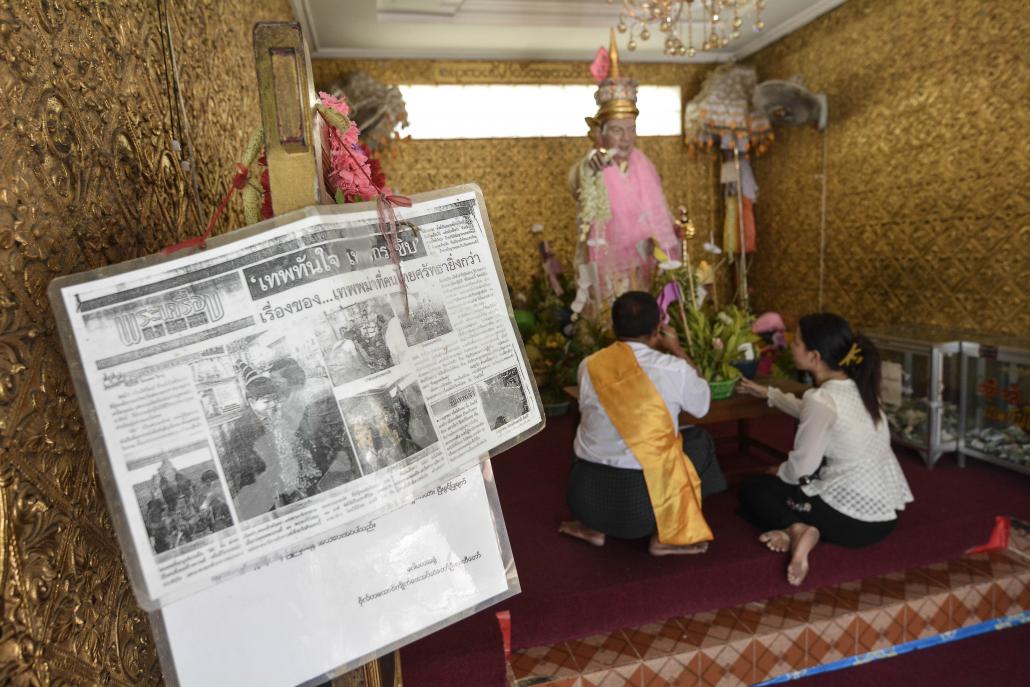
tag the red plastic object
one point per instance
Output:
(999, 536)
(504, 620)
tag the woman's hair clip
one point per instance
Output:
(853, 357)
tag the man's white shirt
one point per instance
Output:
(677, 383)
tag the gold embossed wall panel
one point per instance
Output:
(89, 176)
(928, 214)
(524, 180)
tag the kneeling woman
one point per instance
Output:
(841, 483)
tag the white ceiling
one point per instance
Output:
(512, 29)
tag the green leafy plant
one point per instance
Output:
(556, 341)
(554, 364)
(713, 340)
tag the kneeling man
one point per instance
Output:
(631, 477)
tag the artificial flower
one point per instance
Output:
(338, 104)
(600, 66)
(351, 172)
(669, 294)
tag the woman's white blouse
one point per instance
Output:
(861, 477)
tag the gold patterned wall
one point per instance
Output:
(928, 213)
(89, 176)
(524, 179)
(927, 221)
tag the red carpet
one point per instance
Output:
(570, 589)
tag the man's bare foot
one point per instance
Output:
(656, 548)
(803, 539)
(574, 528)
(776, 540)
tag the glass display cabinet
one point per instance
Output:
(921, 387)
(995, 422)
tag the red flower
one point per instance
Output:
(266, 199)
(378, 175)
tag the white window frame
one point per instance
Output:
(472, 111)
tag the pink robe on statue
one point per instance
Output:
(639, 211)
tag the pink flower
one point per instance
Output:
(337, 104)
(350, 170)
(353, 176)
(600, 66)
(350, 136)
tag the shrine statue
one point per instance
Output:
(621, 209)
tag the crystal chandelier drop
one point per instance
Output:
(721, 20)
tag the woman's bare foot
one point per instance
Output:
(803, 539)
(656, 548)
(776, 540)
(574, 528)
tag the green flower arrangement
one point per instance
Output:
(714, 338)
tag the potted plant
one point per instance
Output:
(714, 338)
(557, 344)
(554, 366)
(556, 339)
(545, 322)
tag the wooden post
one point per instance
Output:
(742, 267)
(286, 95)
(293, 136)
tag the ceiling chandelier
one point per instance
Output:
(721, 22)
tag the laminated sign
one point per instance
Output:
(305, 409)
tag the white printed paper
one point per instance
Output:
(339, 604)
(254, 397)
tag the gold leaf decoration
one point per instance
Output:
(928, 217)
(89, 176)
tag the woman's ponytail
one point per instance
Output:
(862, 364)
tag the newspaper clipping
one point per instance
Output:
(254, 397)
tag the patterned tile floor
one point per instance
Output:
(760, 640)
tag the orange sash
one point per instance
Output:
(642, 419)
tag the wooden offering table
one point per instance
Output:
(739, 408)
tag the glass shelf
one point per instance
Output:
(921, 387)
(995, 422)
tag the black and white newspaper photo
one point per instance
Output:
(353, 339)
(278, 432)
(292, 378)
(388, 423)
